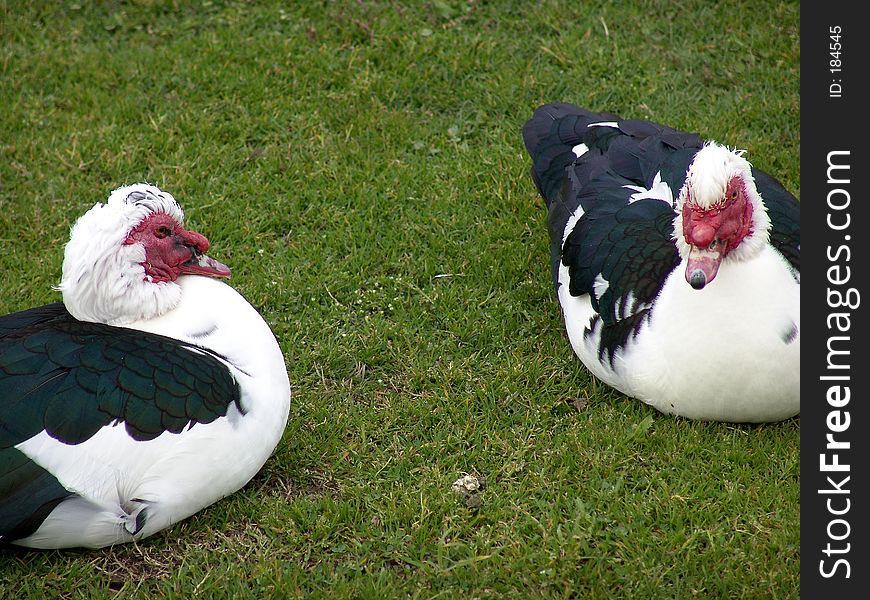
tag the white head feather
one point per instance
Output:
(706, 181)
(103, 278)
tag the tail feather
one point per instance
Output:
(550, 137)
(79, 522)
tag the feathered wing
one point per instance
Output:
(621, 258)
(609, 185)
(785, 217)
(28, 494)
(72, 378)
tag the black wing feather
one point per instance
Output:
(72, 378)
(626, 244)
(785, 217)
(28, 493)
(56, 366)
(630, 249)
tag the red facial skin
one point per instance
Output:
(717, 230)
(172, 251)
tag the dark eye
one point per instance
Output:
(734, 194)
(162, 232)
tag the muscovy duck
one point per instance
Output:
(676, 264)
(152, 391)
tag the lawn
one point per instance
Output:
(359, 165)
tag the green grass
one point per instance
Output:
(359, 165)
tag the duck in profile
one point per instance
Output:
(676, 264)
(153, 390)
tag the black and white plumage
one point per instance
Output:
(150, 393)
(676, 264)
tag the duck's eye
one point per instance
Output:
(162, 232)
(734, 194)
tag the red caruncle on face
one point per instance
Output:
(169, 248)
(722, 226)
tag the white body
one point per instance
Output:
(174, 475)
(728, 352)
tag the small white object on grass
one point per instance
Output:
(469, 487)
